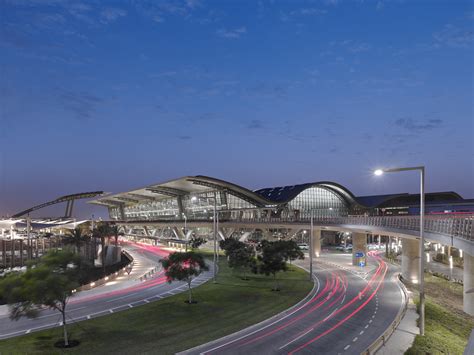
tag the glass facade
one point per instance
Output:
(166, 208)
(114, 213)
(195, 206)
(319, 201)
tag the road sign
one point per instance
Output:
(362, 263)
(359, 254)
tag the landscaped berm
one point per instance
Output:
(171, 325)
(447, 327)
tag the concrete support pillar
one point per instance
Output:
(359, 249)
(468, 293)
(411, 260)
(316, 242)
(244, 237)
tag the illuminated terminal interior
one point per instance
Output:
(195, 197)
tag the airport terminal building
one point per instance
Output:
(196, 198)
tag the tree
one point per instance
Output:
(48, 282)
(271, 261)
(241, 257)
(196, 242)
(77, 238)
(101, 232)
(228, 245)
(184, 267)
(290, 250)
(114, 230)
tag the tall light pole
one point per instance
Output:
(311, 247)
(421, 169)
(214, 224)
(185, 232)
(214, 220)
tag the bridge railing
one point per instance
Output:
(460, 226)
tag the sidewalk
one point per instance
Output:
(404, 335)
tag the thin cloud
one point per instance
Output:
(419, 126)
(308, 11)
(111, 14)
(233, 33)
(255, 124)
(453, 36)
(82, 104)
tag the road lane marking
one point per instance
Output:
(302, 335)
(121, 298)
(347, 347)
(268, 325)
(130, 306)
(28, 331)
(361, 332)
(88, 317)
(366, 326)
(111, 310)
(355, 339)
(55, 314)
(329, 316)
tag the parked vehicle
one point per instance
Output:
(303, 246)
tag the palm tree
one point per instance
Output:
(102, 231)
(114, 230)
(77, 238)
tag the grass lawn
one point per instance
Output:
(171, 325)
(447, 328)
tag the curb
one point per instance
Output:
(107, 278)
(241, 332)
(381, 340)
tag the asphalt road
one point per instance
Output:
(344, 315)
(99, 302)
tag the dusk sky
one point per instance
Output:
(116, 95)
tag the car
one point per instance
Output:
(348, 248)
(303, 246)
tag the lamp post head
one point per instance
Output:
(378, 172)
(194, 198)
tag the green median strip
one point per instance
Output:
(447, 328)
(171, 325)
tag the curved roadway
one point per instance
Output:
(109, 299)
(345, 314)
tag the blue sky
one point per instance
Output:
(113, 95)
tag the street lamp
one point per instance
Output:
(214, 224)
(185, 232)
(421, 169)
(311, 247)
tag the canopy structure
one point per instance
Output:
(197, 196)
(39, 224)
(68, 198)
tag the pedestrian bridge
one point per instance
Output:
(455, 231)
